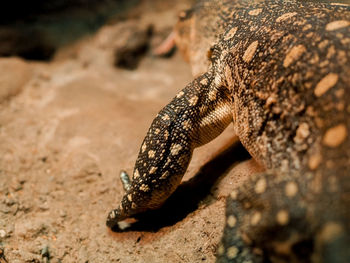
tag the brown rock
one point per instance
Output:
(15, 73)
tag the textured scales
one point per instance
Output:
(280, 71)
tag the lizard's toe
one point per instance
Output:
(114, 217)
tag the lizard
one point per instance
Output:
(280, 72)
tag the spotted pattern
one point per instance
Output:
(327, 82)
(250, 52)
(335, 25)
(282, 217)
(175, 149)
(291, 189)
(335, 136)
(285, 17)
(279, 70)
(293, 55)
(256, 217)
(255, 12)
(260, 186)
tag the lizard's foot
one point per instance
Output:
(116, 215)
(281, 217)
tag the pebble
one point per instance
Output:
(2, 233)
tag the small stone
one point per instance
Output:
(44, 206)
(2, 233)
(62, 213)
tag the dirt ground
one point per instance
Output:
(67, 128)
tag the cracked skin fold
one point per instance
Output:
(280, 72)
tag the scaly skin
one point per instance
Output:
(281, 73)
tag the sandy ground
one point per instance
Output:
(68, 127)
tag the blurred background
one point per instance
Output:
(35, 29)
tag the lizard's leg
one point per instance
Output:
(258, 218)
(282, 217)
(198, 113)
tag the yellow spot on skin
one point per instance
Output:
(232, 252)
(302, 133)
(234, 195)
(331, 52)
(217, 80)
(282, 217)
(246, 239)
(330, 232)
(204, 82)
(166, 135)
(129, 197)
(144, 188)
(247, 205)
(231, 33)
(255, 12)
(231, 221)
(314, 161)
(260, 186)
(168, 161)
(340, 4)
(335, 25)
(221, 249)
(250, 52)
(255, 218)
(285, 16)
(193, 101)
(136, 174)
(340, 93)
(151, 154)
(293, 55)
(175, 149)
(165, 117)
(186, 124)
(143, 148)
(325, 84)
(335, 136)
(307, 27)
(164, 175)
(152, 170)
(157, 131)
(133, 205)
(112, 214)
(323, 44)
(291, 189)
(180, 94)
(212, 95)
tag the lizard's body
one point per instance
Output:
(281, 73)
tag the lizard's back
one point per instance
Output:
(288, 66)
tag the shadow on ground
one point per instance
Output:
(189, 194)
